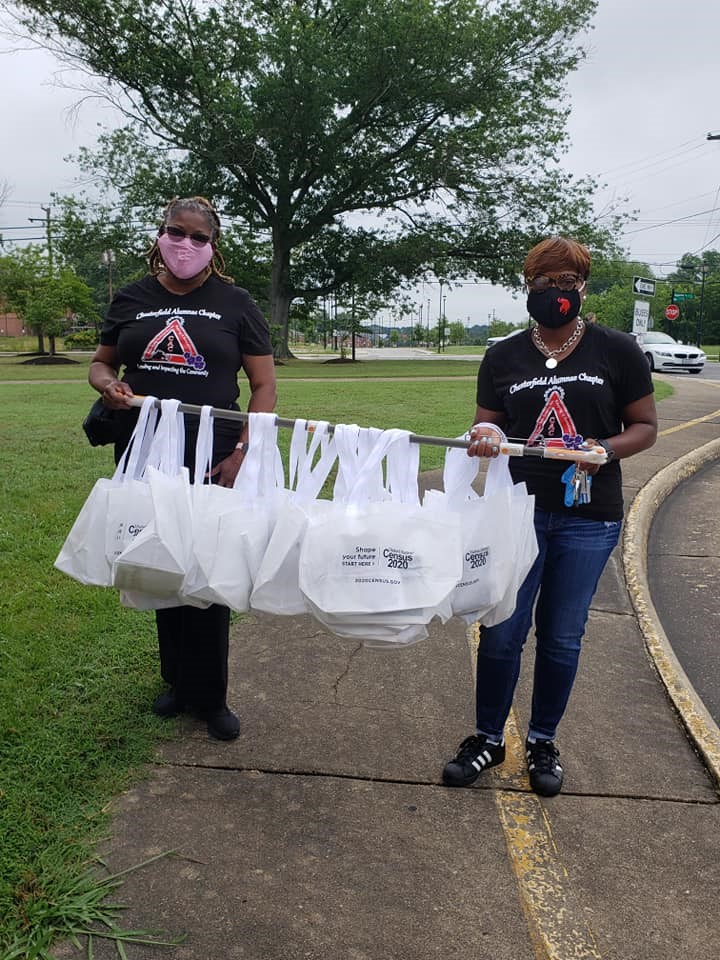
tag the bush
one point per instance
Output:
(81, 340)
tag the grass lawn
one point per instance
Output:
(16, 368)
(77, 671)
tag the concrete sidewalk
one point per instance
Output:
(324, 832)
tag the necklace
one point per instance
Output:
(551, 362)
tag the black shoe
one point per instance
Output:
(546, 774)
(222, 724)
(474, 755)
(167, 704)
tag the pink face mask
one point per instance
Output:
(182, 258)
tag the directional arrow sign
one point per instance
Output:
(643, 286)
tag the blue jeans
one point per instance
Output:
(572, 555)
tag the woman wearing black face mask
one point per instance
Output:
(559, 383)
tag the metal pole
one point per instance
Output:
(594, 454)
(702, 303)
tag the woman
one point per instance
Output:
(184, 331)
(559, 383)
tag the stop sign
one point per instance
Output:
(672, 311)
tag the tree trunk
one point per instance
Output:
(41, 341)
(280, 299)
(53, 349)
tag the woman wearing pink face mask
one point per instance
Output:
(185, 331)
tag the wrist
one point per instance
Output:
(609, 450)
(242, 447)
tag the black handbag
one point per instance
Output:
(101, 425)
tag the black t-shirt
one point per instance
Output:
(186, 347)
(583, 397)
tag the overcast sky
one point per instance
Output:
(642, 106)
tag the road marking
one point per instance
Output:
(553, 912)
(689, 423)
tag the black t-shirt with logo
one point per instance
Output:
(186, 347)
(583, 397)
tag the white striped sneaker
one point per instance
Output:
(474, 755)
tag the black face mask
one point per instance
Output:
(553, 308)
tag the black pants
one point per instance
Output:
(194, 653)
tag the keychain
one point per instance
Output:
(577, 486)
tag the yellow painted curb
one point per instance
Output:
(701, 727)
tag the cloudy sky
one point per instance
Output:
(642, 106)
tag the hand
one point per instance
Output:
(227, 469)
(484, 442)
(116, 395)
(590, 468)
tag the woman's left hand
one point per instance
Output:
(227, 469)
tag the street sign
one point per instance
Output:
(641, 315)
(680, 297)
(643, 286)
(672, 312)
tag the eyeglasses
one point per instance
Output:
(177, 233)
(564, 281)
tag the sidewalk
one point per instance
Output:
(324, 832)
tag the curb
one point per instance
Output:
(701, 727)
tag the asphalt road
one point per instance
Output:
(684, 578)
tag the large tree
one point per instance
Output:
(441, 119)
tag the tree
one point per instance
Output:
(48, 304)
(443, 120)
(456, 332)
(419, 334)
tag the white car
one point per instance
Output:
(493, 340)
(664, 353)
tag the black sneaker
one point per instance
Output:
(167, 704)
(474, 755)
(546, 774)
(223, 724)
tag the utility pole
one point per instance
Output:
(440, 318)
(48, 234)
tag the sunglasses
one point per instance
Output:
(563, 281)
(177, 233)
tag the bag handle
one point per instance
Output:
(167, 450)
(204, 447)
(459, 471)
(346, 437)
(403, 465)
(132, 462)
(262, 470)
(363, 489)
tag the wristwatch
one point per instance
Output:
(605, 444)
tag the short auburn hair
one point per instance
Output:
(556, 254)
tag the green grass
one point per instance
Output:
(15, 368)
(77, 671)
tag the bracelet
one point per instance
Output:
(242, 446)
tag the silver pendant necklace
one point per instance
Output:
(551, 362)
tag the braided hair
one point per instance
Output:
(205, 209)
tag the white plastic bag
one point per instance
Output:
(231, 527)
(88, 550)
(381, 570)
(155, 561)
(276, 588)
(526, 551)
(489, 532)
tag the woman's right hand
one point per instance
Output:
(116, 395)
(484, 441)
